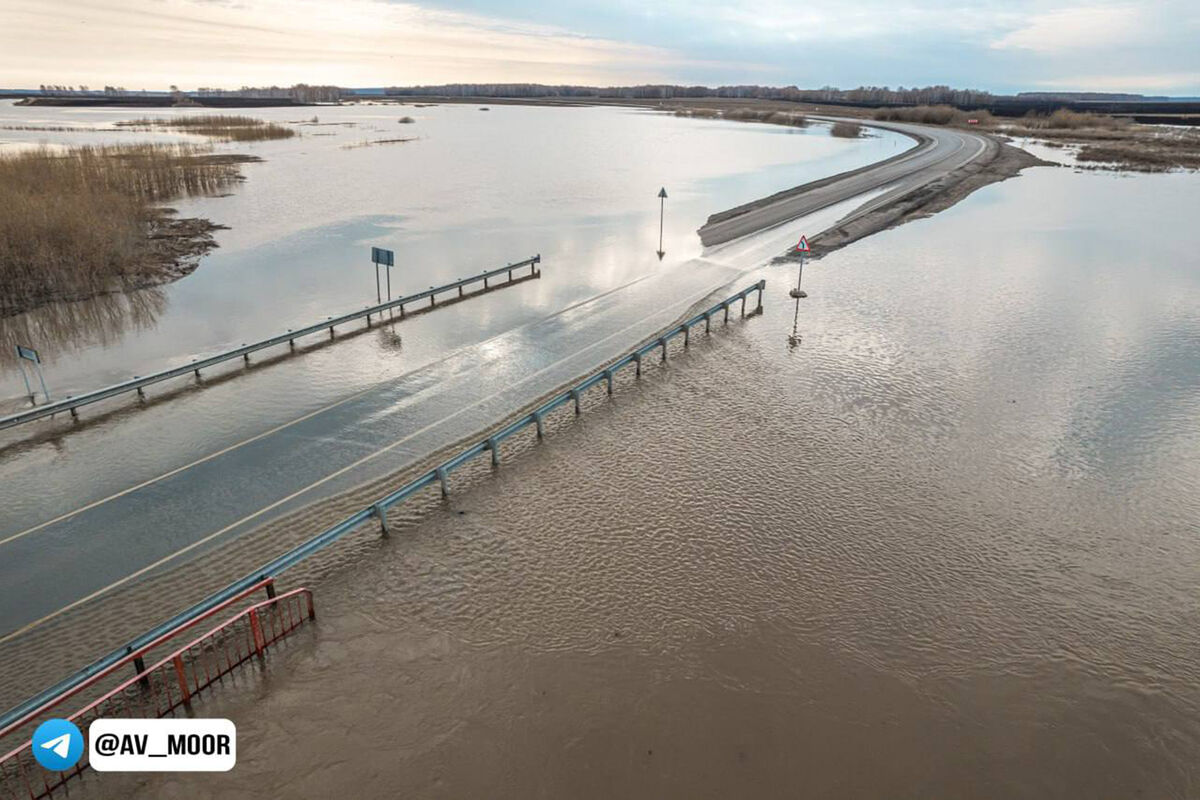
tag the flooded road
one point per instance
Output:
(945, 545)
(93, 505)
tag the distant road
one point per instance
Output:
(939, 151)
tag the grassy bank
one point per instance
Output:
(85, 221)
(219, 127)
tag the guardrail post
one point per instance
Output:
(402, 311)
(510, 275)
(432, 300)
(74, 413)
(460, 291)
(687, 334)
(707, 320)
(762, 284)
(182, 678)
(256, 632)
(743, 305)
(381, 515)
(575, 397)
(537, 420)
(637, 359)
(725, 305)
(271, 590)
(139, 666)
(485, 281)
(663, 342)
(141, 391)
(441, 473)
(494, 446)
(608, 376)
(312, 611)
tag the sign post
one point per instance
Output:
(386, 259)
(29, 354)
(662, 210)
(803, 249)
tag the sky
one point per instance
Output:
(1149, 47)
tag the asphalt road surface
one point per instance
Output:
(939, 151)
(71, 543)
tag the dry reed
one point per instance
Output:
(220, 127)
(78, 222)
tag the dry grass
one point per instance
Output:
(1113, 143)
(846, 130)
(934, 115)
(373, 142)
(1065, 119)
(220, 127)
(75, 223)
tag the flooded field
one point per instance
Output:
(470, 191)
(932, 533)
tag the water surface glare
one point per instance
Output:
(944, 546)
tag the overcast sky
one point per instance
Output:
(1149, 46)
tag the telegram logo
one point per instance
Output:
(57, 744)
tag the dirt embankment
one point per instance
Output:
(1004, 162)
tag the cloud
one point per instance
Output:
(349, 42)
(1078, 28)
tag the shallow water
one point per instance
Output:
(473, 191)
(942, 545)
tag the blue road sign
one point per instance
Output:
(28, 353)
(385, 257)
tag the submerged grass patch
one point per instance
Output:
(846, 130)
(221, 127)
(83, 221)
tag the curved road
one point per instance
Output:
(939, 151)
(83, 541)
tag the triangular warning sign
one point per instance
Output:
(802, 245)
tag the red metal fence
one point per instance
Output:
(168, 684)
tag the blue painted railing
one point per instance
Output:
(378, 509)
(138, 384)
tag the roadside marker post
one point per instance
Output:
(803, 249)
(662, 210)
(29, 354)
(386, 259)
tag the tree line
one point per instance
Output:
(863, 95)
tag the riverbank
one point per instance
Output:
(85, 221)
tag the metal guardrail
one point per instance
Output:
(138, 383)
(135, 656)
(170, 683)
(378, 509)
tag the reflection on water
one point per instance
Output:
(578, 185)
(60, 328)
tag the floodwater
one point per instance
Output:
(934, 534)
(474, 190)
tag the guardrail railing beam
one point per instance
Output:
(73, 403)
(378, 510)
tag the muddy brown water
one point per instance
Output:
(936, 540)
(943, 546)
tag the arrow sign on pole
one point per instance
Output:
(662, 202)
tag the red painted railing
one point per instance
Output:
(170, 683)
(135, 657)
